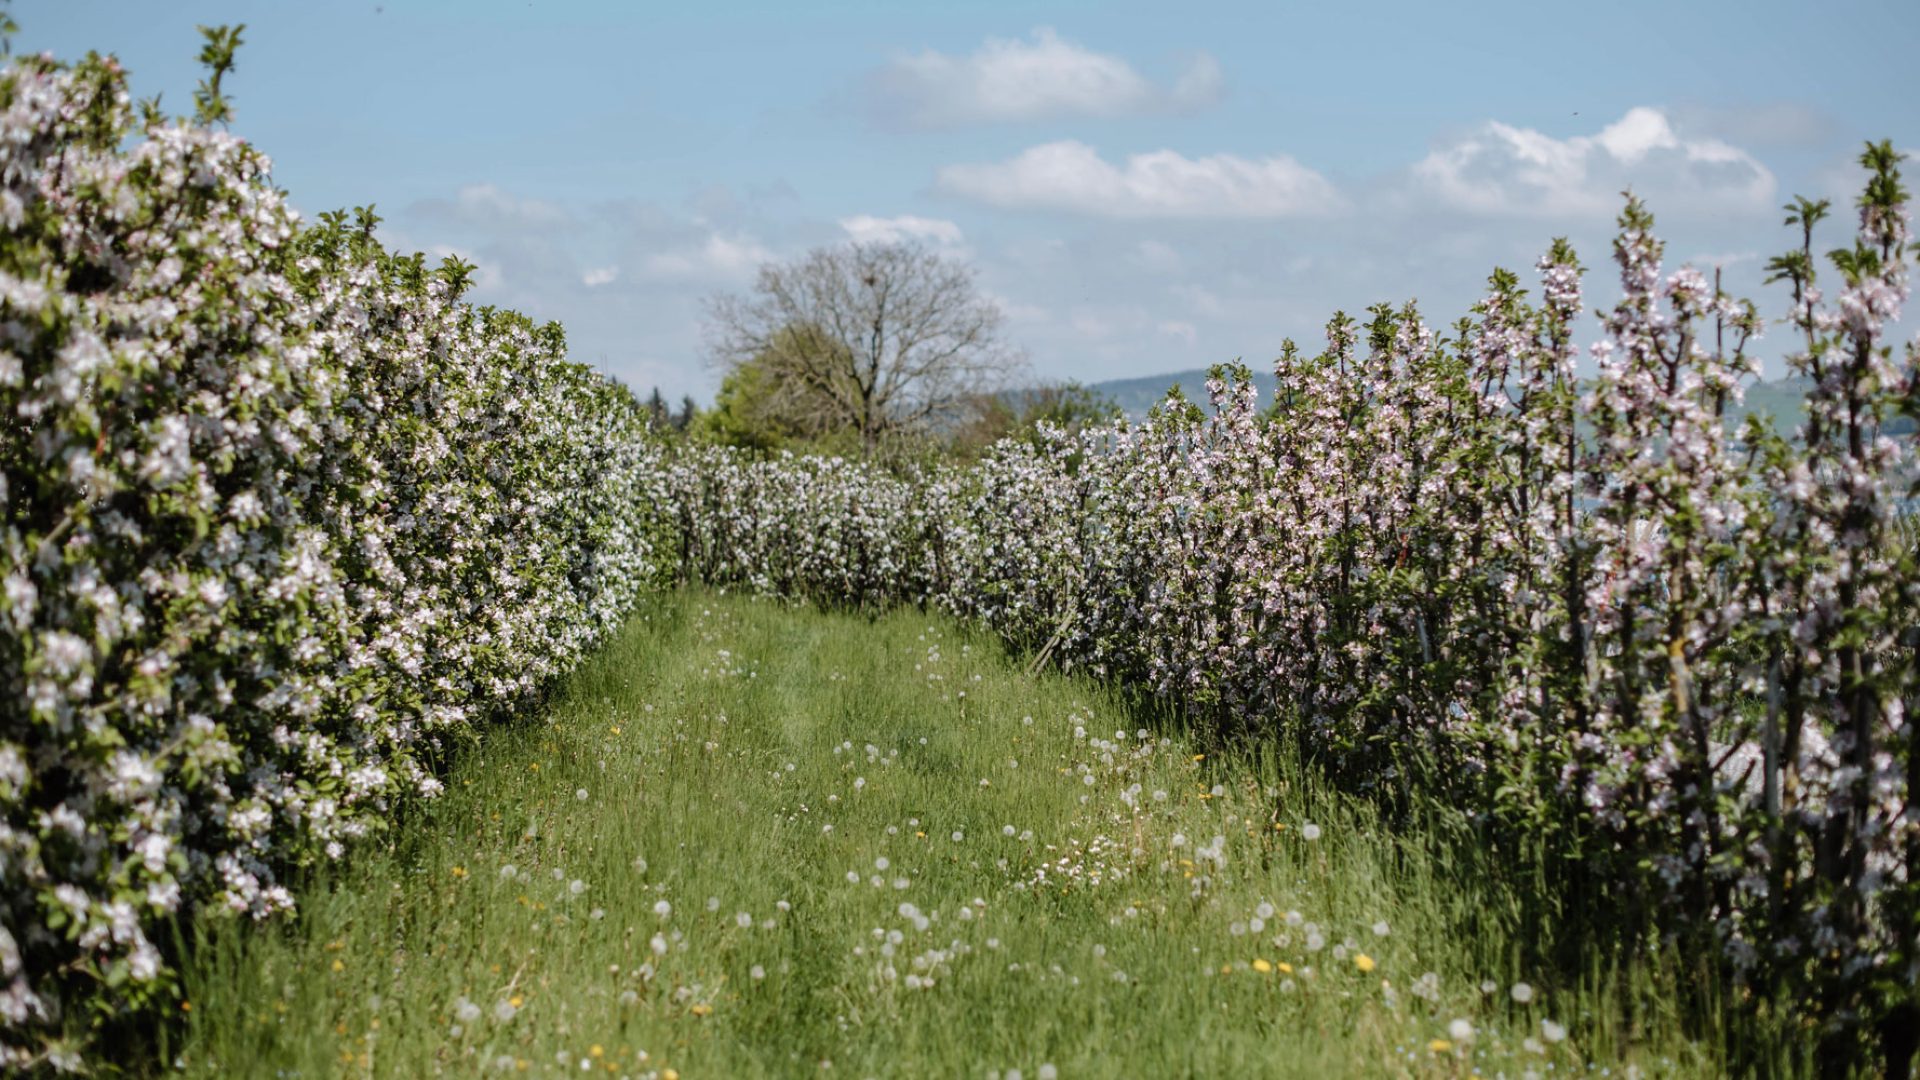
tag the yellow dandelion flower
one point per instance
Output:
(338, 966)
(459, 871)
(1199, 757)
(1439, 1046)
(702, 1009)
(595, 1050)
(535, 766)
(1286, 968)
(1363, 962)
(1262, 966)
(669, 1074)
(516, 1001)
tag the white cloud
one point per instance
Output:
(489, 205)
(719, 258)
(1157, 257)
(1185, 331)
(1501, 170)
(1042, 78)
(1202, 301)
(864, 229)
(1072, 176)
(598, 276)
(1089, 325)
(1015, 310)
(1724, 260)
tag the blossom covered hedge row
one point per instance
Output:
(1673, 663)
(281, 522)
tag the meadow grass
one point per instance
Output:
(750, 839)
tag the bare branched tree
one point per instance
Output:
(878, 339)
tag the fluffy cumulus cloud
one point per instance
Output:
(1072, 176)
(488, 205)
(1509, 171)
(717, 258)
(1043, 77)
(865, 229)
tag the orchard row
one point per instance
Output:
(1668, 665)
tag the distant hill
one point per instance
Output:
(1782, 401)
(1136, 396)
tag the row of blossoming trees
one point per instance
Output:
(280, 521)
(1670, 663)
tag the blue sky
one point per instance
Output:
(1144, 187)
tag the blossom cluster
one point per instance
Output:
(282, 523)
(1587, 611)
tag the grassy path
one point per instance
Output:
(752, 840)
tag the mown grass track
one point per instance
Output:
(751, 839)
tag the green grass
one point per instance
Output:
(740, 760)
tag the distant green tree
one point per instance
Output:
(757, 408)
(656, 407)
(1070, 406)
(888, 340)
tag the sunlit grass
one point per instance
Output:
(754, 840)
